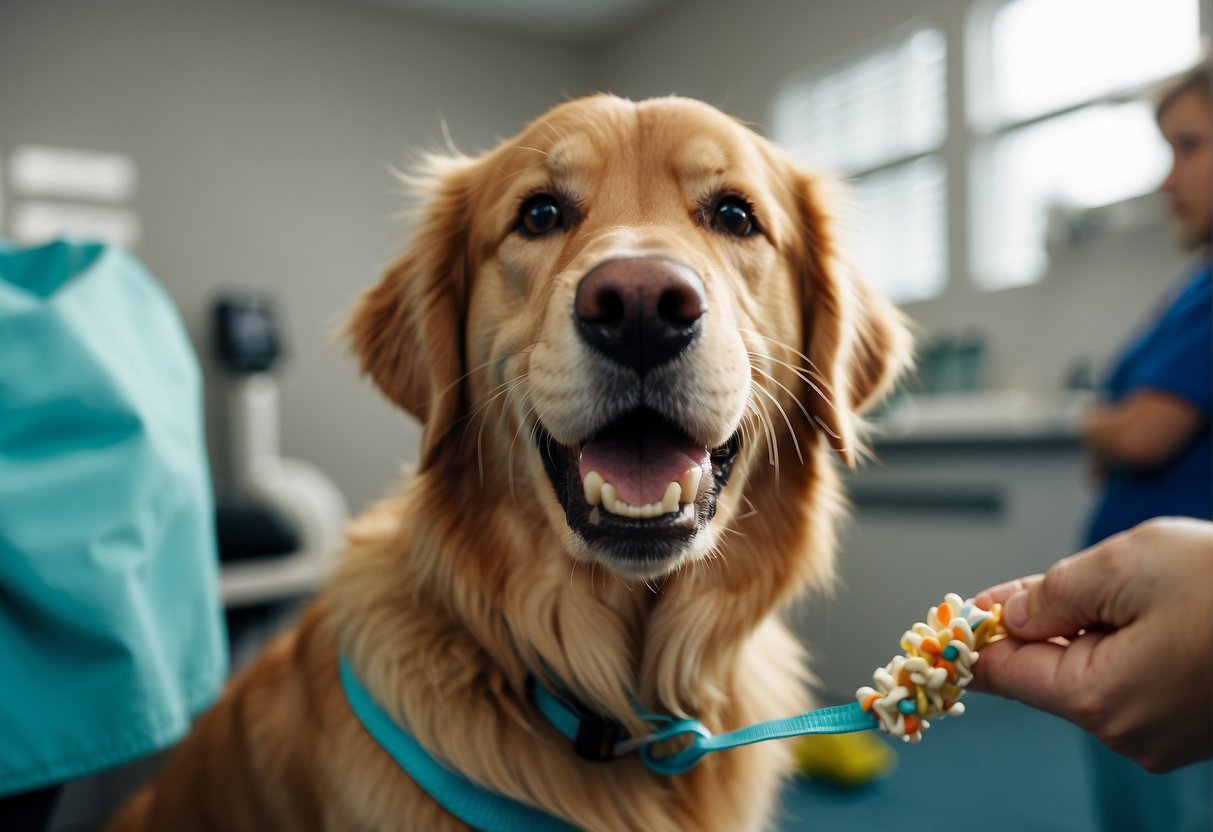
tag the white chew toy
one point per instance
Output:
(929, 680)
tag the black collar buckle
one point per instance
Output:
(597, 735)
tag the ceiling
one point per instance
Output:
(570, 20)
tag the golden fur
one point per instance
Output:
(449, 593)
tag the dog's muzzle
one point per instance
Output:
(639, 487)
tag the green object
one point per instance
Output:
(847, 760)
(111, 628)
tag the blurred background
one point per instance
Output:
(1003, 153)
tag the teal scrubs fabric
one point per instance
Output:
(111, 628)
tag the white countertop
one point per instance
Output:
(994, 416)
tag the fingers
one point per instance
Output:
(1042, 674)
(999, 594)
(1093, 589)
(1018, 670)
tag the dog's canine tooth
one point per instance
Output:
(610, 498)
(593, 488)
(690, 485)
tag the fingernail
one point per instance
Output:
(1015, 610)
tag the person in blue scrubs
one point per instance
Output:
(1152, 435)
(111, 628)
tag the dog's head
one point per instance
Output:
(640, 308)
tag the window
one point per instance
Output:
(80, 193)
(1054, 99)
(1093, 156)
(904, 207)
(880, 117)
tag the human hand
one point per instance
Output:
(1117, 639)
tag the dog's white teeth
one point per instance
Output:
(690, 484)
(593, 488)
(610, 498)
(673, 494)
(598, 492)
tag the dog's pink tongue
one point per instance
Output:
(642, 463)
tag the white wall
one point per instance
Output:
(263, 132)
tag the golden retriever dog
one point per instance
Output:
(633, 344)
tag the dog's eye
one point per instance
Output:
(734, 216)
(539, 215)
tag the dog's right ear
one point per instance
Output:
(407, 330)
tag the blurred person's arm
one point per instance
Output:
(1145, 430)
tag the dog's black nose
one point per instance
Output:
(640, 312)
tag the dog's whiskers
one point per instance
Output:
(812, 384)
(753, 508)
(826, 428)
(715, 558)
(486, 364)
(782, 387)
(811, 366)
(812, 379)
(552, 129)
(749, 431)
(469, 374)
(764, 422)
(792, 395)
(509, 463)
(810, 375)
(505, 389)
(738, 532)
(803, 375)
(787, 421)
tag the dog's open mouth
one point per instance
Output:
(639, 489)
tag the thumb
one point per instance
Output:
(1077, 593)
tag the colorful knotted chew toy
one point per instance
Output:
(929, 680)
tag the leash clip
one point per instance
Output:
(679, 762)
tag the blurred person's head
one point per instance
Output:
(1185, 117)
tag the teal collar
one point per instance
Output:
(474, 805)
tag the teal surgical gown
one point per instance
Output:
(111, 628)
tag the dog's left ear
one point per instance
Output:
(407, 329)
(857, 341)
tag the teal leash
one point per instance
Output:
(594, 737)
(597, 738)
